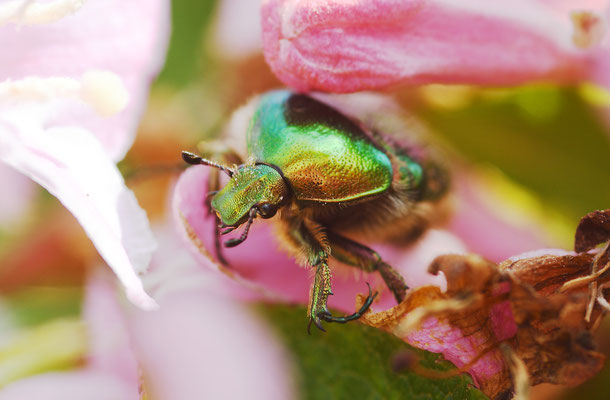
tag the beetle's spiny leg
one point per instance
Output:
(235, 241)
(320, 290)
(326, 315)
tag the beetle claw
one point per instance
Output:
(318, 324)
(328, 317)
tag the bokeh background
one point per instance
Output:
(543, 150)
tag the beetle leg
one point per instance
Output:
(354, 316)
(318, 296)
(309, 236)
(367, 259)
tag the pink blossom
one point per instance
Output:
(71, 92)
(237, 29)
(340, 46)
(69, 385)
(14, 207)
(200, 343)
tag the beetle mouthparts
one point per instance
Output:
(229, 230)
(235, 241)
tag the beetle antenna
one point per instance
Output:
(194, 159)
(234, 242)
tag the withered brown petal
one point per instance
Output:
(593, 229)
(516, 305)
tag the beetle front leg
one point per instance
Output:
(320, 290)
(318, 296)
(308, 237)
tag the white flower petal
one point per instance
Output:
(17, 198)
(127, 38)
(72, 165)
(88, 385)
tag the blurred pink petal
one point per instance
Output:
(109, 346)
(340, 46)
(71, 164)
(237, 29)
(601, 63)
(483, 230)
(18, 199)
(75, 385)
(200, 343)
(130, 43)
(71, 94)
(199, 346)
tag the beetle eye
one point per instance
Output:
(267, 210)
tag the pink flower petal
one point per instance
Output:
(441, 337)
(201, 344)
(22, 191)
(109, 346)
(127, 38)
(61, 80)
(72, 165)
(601, 63)
(237, 32)
(68, 386)
(341, 46)
(482, 229)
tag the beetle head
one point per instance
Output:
(254, 190)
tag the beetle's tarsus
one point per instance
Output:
(327, 316)
(318, 324)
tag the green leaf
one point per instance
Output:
(184, 60)
(353, 361)
(546, 139)
(36, 305)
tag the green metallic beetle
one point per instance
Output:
(328, 176)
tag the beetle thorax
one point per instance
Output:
(251, 186)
